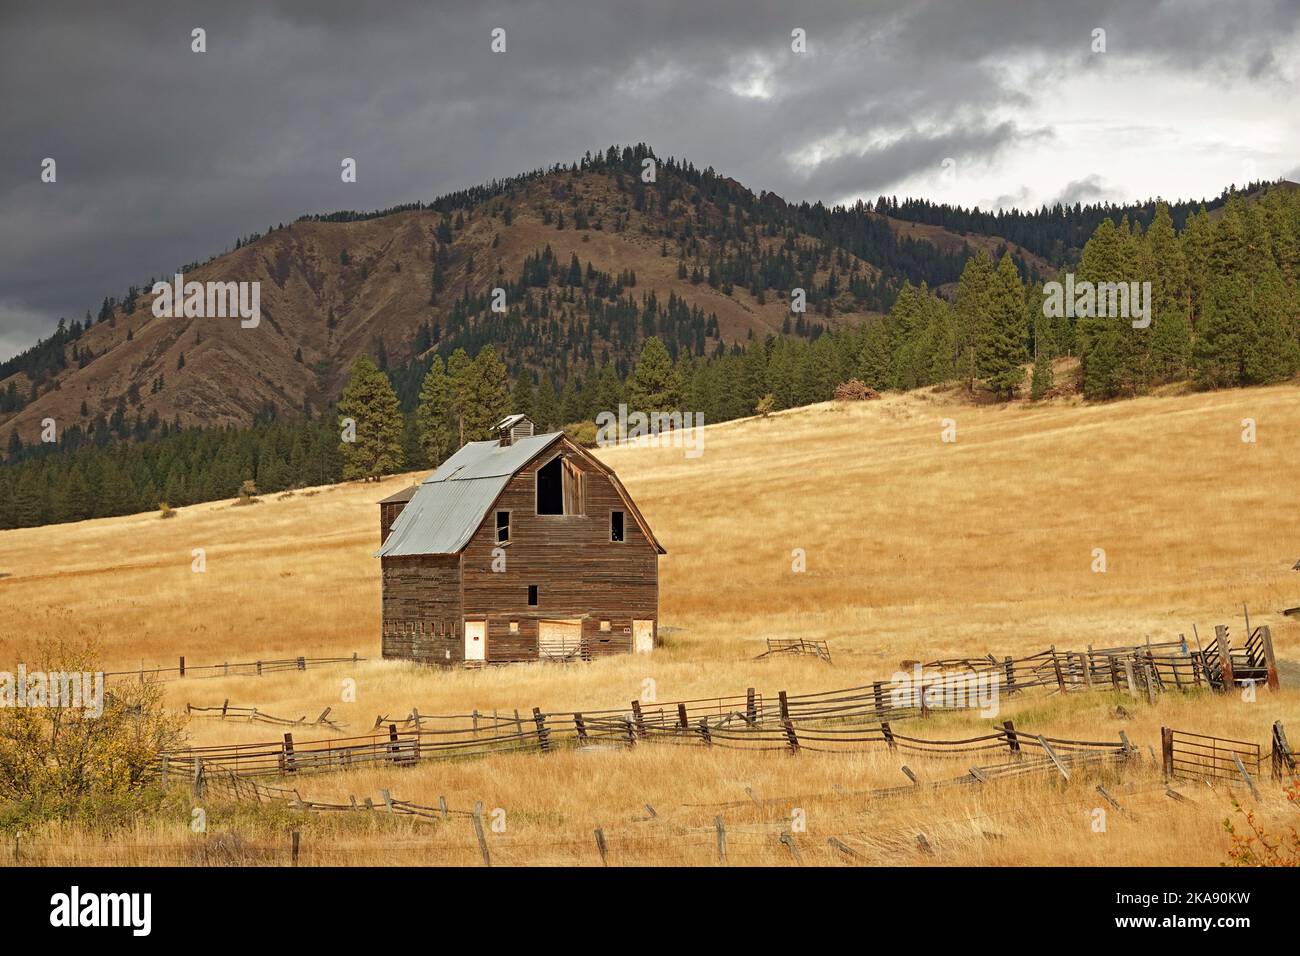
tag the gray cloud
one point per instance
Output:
(165, 156)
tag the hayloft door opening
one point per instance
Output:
(550, 488)
(476, 640)
(560, 488)
(643, 636)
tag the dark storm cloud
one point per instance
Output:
(165, 156)
(1086, 190)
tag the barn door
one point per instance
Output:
(559, 640)
(643, 636)
(476, 640)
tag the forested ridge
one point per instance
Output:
(1225, 310)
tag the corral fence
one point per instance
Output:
(229, 668)
(1203, 757)
(787, 647)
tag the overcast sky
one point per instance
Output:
(165, 155)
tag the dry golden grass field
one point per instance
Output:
(915, 548)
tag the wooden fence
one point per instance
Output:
(1202, 757)
(229, 669)
(253, 715)
(785, 647)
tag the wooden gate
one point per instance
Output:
(1201, 757)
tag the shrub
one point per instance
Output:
(855, 390)
(56, 758)
(1256, 846)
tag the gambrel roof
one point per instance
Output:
(451, 503)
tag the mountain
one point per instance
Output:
(592, 260)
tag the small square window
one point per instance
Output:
(616, 526)
(514, 627)
(503, 527)
(532, 595)
(604, 625)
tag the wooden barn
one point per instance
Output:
(521, 548)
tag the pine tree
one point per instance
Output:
(654, 385)
(485, 399)
(547, 405)
(521, 399)
(873, 359)
(1001, 343)
(970, 309)
(433, 413)
(458, 369)
(369, 400)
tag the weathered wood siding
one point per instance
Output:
(387, 515)
(422, 610)
(578, 571)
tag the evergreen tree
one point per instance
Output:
(433, 413)
(547, 405)
(369, 399)
(654, 385)
(485, 398)
(1001, 344)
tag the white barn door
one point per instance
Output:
(643, 636)
(476, 640)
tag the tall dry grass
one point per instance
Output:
(915, 549)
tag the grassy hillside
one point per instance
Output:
(916, 549)
(914, 546)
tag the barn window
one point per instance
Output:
(514, 627)
(616, 526)
(559, 488)
(503, 527)
(532, 595)
(604, 625)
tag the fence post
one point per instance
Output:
(704, 733)
(1056, 666)
(1013, 741)
(1282, 758)
(296, 837)
(259, 668)
(600, 846)
(543, 743)
(478, 832)
(751, 706)
(1167, 751)
(182, 666)
(1270, 661)
(200, 785)
(579, 725)
(682, 722)
(791, 737)
(1011, 675)
(1225, 656)
(1128, 677)
(889, 734)
(639, 719)
(286, 756)
(879, 695)
(166, 762)
(302, 663)
(785, 706)
(392, 743)
(722, 839)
